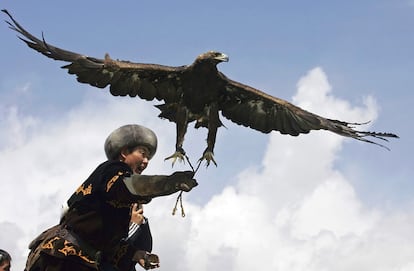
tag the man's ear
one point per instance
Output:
(124, 153)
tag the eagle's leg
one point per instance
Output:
(181, 127)
(213, 124)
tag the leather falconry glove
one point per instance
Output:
(146, 260)
(160, 185)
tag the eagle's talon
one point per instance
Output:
(209, 157)
(180, 155)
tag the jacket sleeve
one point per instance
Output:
(159, 185)
(141, 239)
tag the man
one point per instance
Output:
(91, 234)
(5, 260)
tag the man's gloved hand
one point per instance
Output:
(183, 180)
(146, 260)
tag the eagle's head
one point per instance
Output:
(212, 57)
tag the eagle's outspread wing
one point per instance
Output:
(147, 81)
(253, 108)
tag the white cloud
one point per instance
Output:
(17, 127)
(293, 211)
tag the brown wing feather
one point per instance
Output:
(253, 108)
(148, 81)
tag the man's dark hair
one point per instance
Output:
(4, 256)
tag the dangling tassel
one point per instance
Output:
(179, 198)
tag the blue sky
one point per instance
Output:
(318, 196)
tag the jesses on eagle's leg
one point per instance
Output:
(181, 121)
(213, 124)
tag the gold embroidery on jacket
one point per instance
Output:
(83, 190)
(113, 180)
(69, 249)
(49, 244)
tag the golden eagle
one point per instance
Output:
(196, 92)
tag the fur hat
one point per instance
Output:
(130, 136)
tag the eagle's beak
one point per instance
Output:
(223, 58)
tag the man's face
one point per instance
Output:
(5, 266)
(137, 159)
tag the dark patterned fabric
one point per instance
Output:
(46, 262)
(141, 239)
(92, 230)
